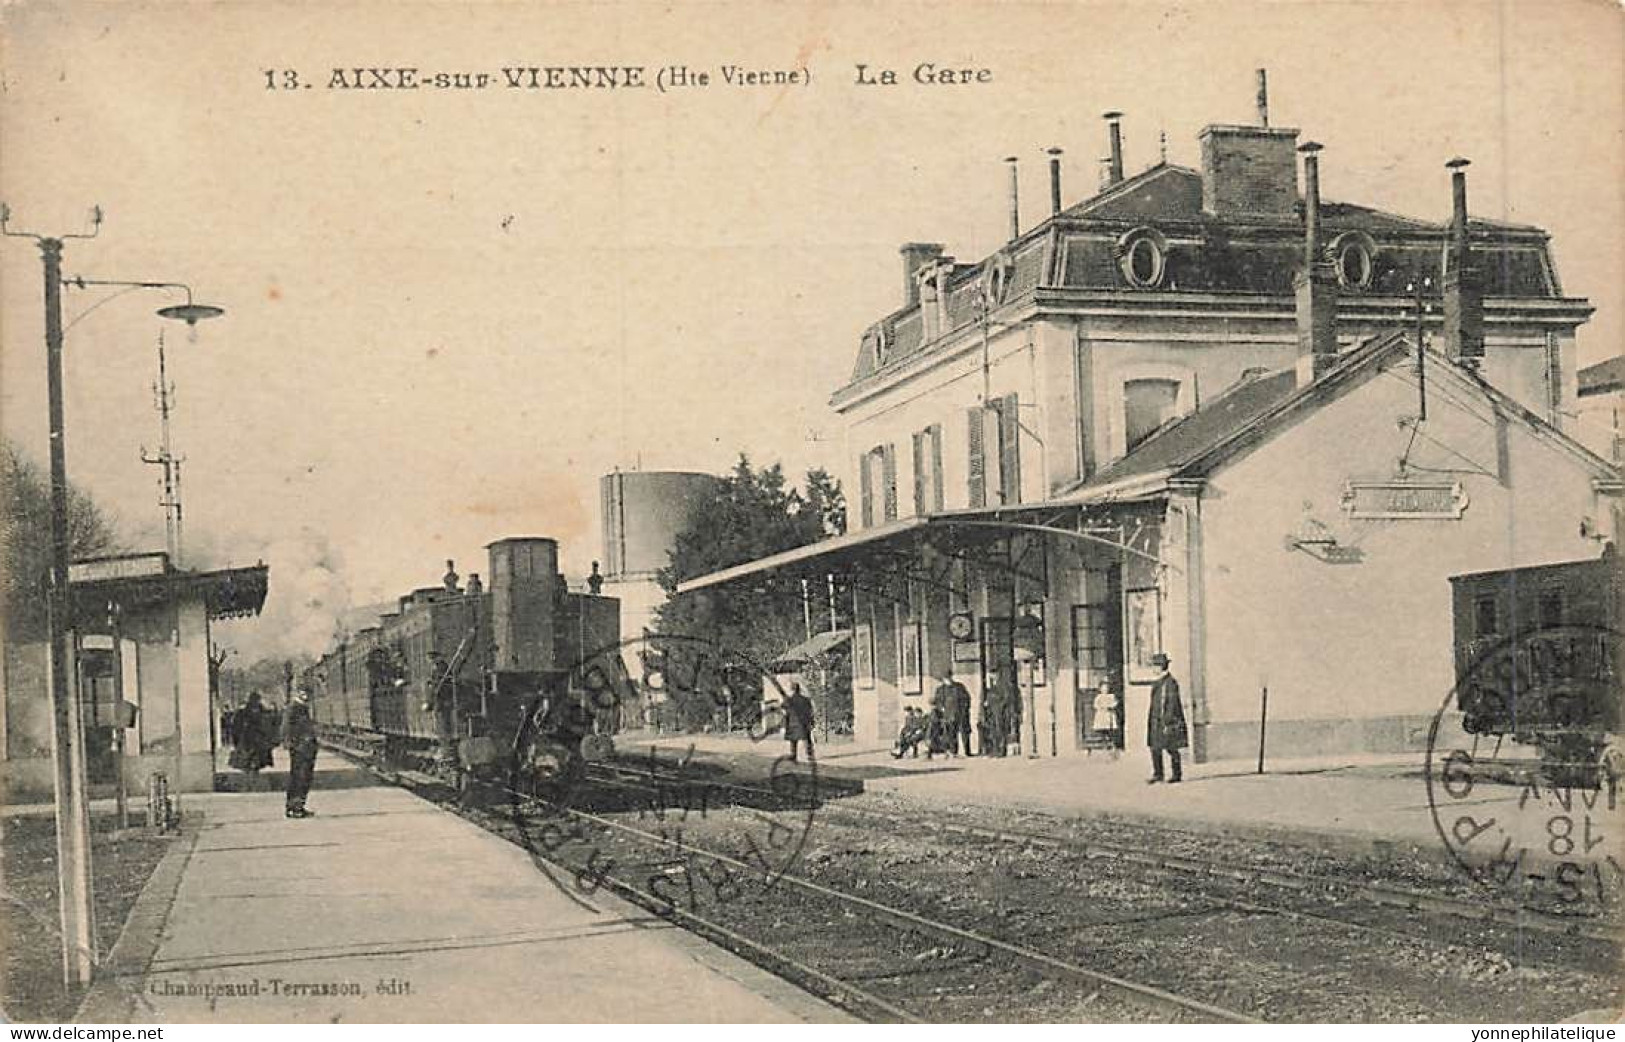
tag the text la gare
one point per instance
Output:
(927, 73)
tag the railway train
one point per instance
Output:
(1539, 659)
(468, 682)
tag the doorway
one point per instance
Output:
(1097, 658)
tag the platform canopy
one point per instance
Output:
(143, 581)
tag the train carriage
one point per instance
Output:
(1539, 659)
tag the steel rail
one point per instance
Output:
(1045, 964)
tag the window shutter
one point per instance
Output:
(977, 462)
(888, 458)
(920, 505)
(935, 433)
(866, 483)
(1009, 450)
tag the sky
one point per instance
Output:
(450, 312)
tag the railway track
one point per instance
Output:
(850, 926)
(1301, 884)
(852, 968)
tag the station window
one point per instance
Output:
(1486, 620)
(928, 470)
(1147, 405)
(1551, 608)
(878, 478)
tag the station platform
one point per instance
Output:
(384, 908)
(1358, 803)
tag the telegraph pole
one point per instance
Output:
(76, 906)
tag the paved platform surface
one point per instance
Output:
(384, 908)
(1361, 801)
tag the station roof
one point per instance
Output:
(1079, 249)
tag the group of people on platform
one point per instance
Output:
(946, 728)
(254, 729)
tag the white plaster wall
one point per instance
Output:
(1374, 637)
(192, 628)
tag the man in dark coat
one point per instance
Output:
(798, 720)
(299, 733)
(953, 700)
(1165, 725)
(254, 729)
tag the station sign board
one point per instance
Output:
(134, 566)
(1404, 500)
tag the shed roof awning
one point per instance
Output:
(863, 538)
(226, 592)
(810, 650)
(834, 550)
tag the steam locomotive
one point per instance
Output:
(1539, 659)
(465, 681)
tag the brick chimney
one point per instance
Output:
(1463, 282)
(916, 255)
(1249, 171)
(1054, 181)
(1015, 197)
(1114, 159)
(1315, 284)
(932, 282)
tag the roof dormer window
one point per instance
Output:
(1354, 257)
(1142, 255)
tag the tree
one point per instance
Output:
(751, 514)
(27, 539)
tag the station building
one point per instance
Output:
(142, 639)
(1209, 414)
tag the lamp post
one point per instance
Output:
(74, 888)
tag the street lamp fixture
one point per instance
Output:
(190, 312)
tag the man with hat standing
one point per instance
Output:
(1165, 726)
(299, 736)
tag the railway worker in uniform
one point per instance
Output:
(954, 699)
(992, 719)
(254, 729)
(1165, 725)
(300, 737)
(798, 720)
